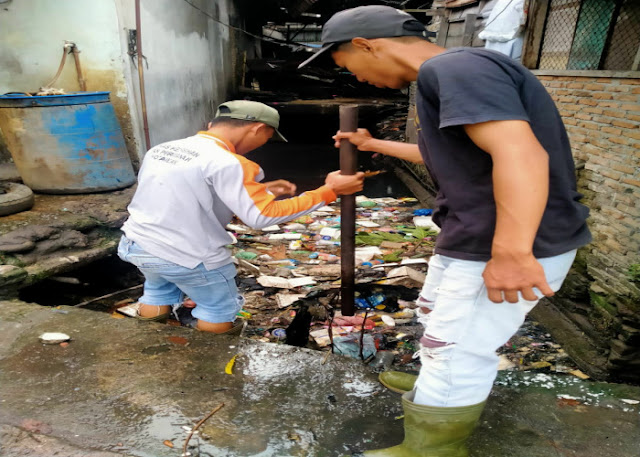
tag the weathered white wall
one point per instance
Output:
(191, 57)
(190, 60)
(32, 34)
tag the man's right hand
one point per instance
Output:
(361, 138)
(345, 184)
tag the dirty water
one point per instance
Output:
(307, 165)
(107, 379)
(111, 389)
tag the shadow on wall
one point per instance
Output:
(5, 155)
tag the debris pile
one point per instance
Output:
(532, 349)
(290, 278)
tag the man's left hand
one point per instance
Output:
(281, 187)
(506, 275)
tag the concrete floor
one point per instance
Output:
(123, 387)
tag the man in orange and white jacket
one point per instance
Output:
(188, 191)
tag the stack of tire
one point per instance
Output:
(14, 198)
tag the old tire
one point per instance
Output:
(14, 198)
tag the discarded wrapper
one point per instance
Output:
(282, 283)
(285, 300)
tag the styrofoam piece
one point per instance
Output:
(271, 228)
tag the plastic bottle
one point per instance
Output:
(327, 257)
(422, 212)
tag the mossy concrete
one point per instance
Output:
(59, 234)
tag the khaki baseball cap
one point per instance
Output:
(252, 111)
(369, 21)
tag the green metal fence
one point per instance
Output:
(591, 35)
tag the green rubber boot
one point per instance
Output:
(397, 381)
(430, 431)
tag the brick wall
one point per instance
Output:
(602, 117)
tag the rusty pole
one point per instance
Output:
(76, 58)
(348, 166)
(143, 99)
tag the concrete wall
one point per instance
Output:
(32, 34)
(191, 62)
(191, 57)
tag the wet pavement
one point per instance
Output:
(123, 387)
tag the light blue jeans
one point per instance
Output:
(166, 283)
(465, 328)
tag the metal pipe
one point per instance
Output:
(348, 166)
(65, 51)
(76, 58)
(143, 100)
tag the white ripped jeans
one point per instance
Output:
(465, 328)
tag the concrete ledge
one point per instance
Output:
(59, 234)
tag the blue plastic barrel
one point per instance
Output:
(66, 144)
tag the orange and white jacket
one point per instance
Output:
(189, 190)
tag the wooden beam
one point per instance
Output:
(589, 73)
(429, 12)
(459, 3)
(441, 39)
(636, 62)
(536, 22)
(469, 29)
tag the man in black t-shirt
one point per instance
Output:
(496, 147)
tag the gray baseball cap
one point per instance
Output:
(371, 21)
(252, 111)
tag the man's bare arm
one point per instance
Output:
(521, 190)
(363, 140)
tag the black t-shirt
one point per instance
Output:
(468, 86)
